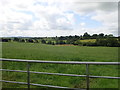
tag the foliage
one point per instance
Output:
(86, 35)
(5, 39)
(85, 40)
(16, 39)
(111, 42)
(43, 41)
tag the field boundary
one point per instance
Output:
(60, 74)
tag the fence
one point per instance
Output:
(60, 74)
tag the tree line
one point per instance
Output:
(16, 39)
(101, 40)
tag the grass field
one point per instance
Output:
(38, 51)
(88, 40)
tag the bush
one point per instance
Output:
(16, 39)
(43, 41)
(5, 40)
(77, 43)
(89, 44)
(30, 40)
(110, 42)
(22, 40)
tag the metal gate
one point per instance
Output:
(60, 74)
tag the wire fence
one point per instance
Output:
(59, 74)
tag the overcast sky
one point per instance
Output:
(57, 17)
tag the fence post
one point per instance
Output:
(87, 76)
(28, 75)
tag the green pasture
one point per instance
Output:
(37, 51)
(88, 40)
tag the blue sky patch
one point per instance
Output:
(87, 20)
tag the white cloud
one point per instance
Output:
(53, 17)
(109, 21)
(86, 8)
(41, 24)
(103, 12)
(82, 24)
(106, 16)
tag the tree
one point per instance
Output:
(53, 43)
(119, 38)
(81, 37)
(5, 40)
(30, 40)
(94, 36)
(77, 42)
(112, 42)
(62, 38)
(110, 35)
(16, 39)
(61, 42)
(101, 42)
(43, 41)
(76, 37)
(101, 35)
(36, 41)
(70, 41)
(49, 42)
(22, 40)
(86, 35)
(70, 37)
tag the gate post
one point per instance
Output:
(28, 75)
(87, 76)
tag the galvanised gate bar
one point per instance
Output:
(60, 74)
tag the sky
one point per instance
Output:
(49, 18)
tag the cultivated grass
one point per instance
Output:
(88, 40)
(36, 51)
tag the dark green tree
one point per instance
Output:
(94, 36)
(86, 36)
(43, 41)
(49, 42)
(16, 39)
(101, 35)
(30, 40)
(22, 40)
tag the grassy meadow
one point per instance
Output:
(37, 51)
(88, 40)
